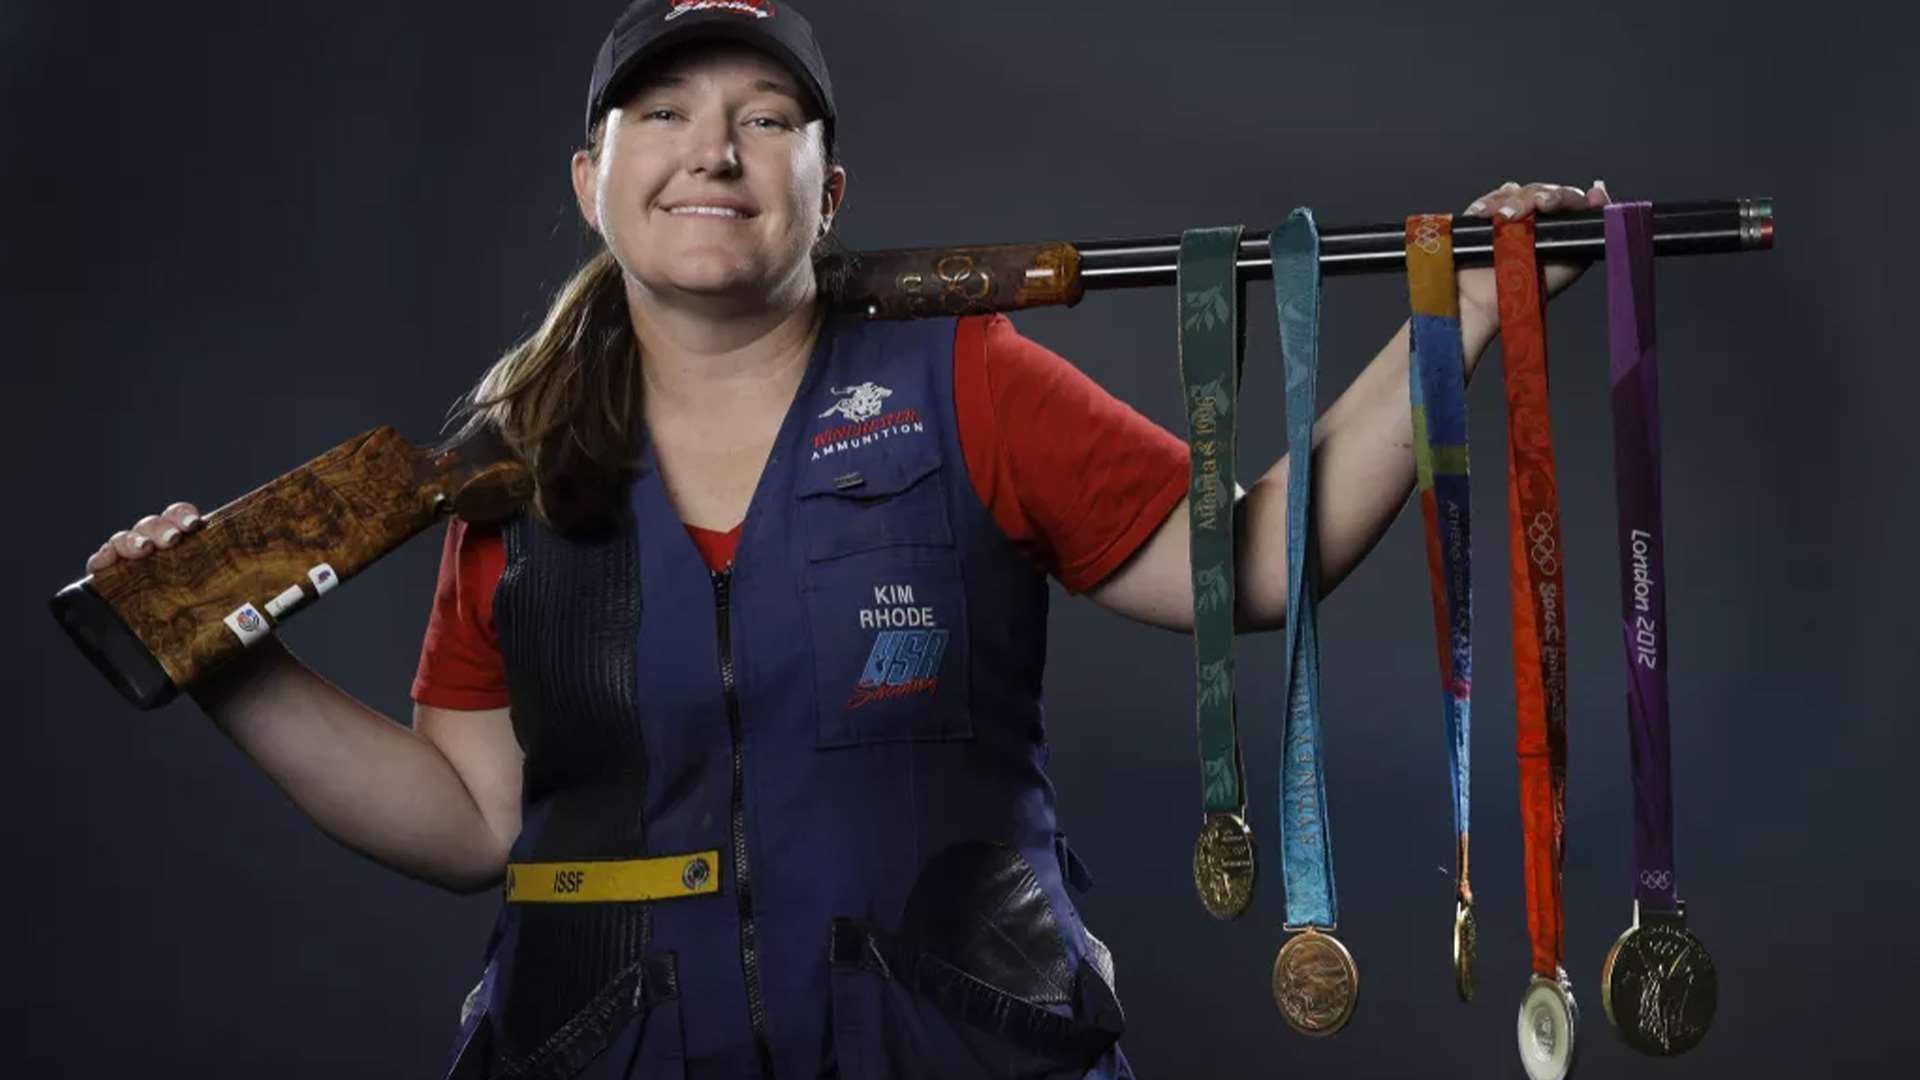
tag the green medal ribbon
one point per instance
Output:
(1212, 340)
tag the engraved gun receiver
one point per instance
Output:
(921, 282)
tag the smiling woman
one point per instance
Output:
(711, 178)
(709, 174)
(745, 709)
(871, 529)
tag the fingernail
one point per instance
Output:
(1508, 212)
(1601, 184)
(1541, 197)
(190, 520)
(140, 542)
(169, 536)
(1479, 207)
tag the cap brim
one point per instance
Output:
(619, 84)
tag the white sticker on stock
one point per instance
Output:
(247, 624)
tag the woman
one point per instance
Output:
(745, 710)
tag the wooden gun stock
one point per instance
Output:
(158, 625)
(922, 282)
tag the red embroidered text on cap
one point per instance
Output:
(759, 9)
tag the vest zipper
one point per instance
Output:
(742, 879)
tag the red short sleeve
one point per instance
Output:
(1073, 475)
(460, 662)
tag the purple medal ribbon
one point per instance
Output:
(1634, 373)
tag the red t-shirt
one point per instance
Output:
(1073, 476)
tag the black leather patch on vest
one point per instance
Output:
(980, 908)
(567, 613)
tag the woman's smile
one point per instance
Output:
(712, 209)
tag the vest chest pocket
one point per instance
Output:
(887, 605)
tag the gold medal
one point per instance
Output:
(1466, 938)
(1659, 986)
(1223, 866)
(1315, 983)
(1466, 929)
(1548, 1018)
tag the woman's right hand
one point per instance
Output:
(149, 534)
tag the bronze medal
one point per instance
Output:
(1223, 866)
(1659, 987)
(1315, 983)
(1548, 1018)
(1466, 938)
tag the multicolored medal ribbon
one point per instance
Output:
(1658, 985)
(1437, 388)
(1549, 1016)
(1315, 982)
(1212, 340)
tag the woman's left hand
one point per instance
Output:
(1515, 201)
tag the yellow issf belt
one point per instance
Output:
(666, 877)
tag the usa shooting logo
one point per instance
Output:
(907, 650)
(860, 406)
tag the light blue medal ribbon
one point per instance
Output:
(1306, 843)
(1315, 982)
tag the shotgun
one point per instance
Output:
(161, 624)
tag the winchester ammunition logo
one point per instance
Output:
(861, 407)
(860, 401)
(759, 9)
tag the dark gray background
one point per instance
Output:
(237, 234)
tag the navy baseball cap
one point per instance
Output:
(647, 28)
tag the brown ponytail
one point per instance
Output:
(566, 400)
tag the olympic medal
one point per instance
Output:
(1223, 866)
(1548, 1017)
(1315, 983)
(1466, 938)
(1659, 988)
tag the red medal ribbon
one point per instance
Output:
(1539, 599)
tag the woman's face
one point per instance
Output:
(711, 179)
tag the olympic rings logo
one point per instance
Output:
(1426, 235)
(964, 287)
(1657, 879)
(963, 282)
(1543, 550)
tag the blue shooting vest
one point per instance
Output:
(851, 716)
